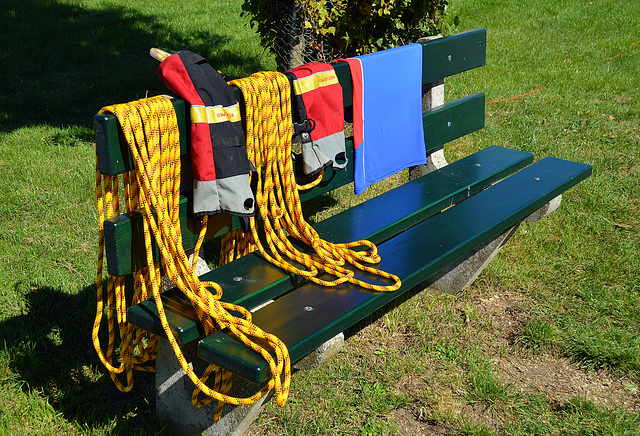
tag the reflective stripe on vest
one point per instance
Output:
(314, 81)
(215, 114)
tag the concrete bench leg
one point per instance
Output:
(174, 390)
(321, 354)
(173, 398)
(545, 210)
(464, 271)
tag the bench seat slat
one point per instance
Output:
(413, 255)
(243, 277)
(250, 280)
(392, 212)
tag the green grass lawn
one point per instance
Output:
(547, 341)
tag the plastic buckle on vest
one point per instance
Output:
(302, 130)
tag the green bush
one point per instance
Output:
(333, 28)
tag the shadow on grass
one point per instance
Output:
(61, 63)
(317, 204)
(51, 351)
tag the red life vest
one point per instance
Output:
(221, 168)
(318, 116)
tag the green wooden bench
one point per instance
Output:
(419, 236)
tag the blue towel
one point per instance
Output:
(387, 113)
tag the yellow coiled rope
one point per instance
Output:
(267, 98)
(150, 128)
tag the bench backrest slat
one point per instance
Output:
(441, 58)
(454, 54)
(112, 149)
(453, 120)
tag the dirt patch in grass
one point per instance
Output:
(438, 348)
(412, 425)
(560, 380)
(504, 313)
(556, 377)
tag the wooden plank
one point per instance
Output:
(454, 54)
(332, 179)
(389, 214)
(248, 276)
(249, 281)
(112, 149)
(343, 72)
(124, 240)
(413, 255)
(453, 120)
(112, 159)
(442, 57)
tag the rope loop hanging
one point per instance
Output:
(150, 128)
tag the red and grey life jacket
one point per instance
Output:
(221, 168)
(318, 116)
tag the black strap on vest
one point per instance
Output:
(301, 123)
